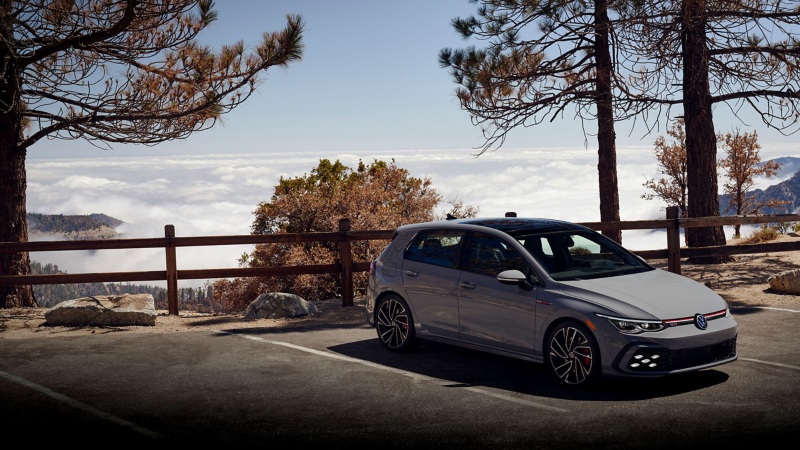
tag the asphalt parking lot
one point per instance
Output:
(336, 386)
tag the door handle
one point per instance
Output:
(467, 285)
(411, 273)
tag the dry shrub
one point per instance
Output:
(379, 196)
(762, 234)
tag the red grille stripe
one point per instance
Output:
(713, 315)
(688, 319)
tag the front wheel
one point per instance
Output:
(573, 355)
(394, 324)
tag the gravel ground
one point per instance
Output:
(28, 322)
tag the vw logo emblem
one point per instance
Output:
(700, 321)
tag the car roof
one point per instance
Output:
(508, 225)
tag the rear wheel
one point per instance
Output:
(573, 355)
(394, 324)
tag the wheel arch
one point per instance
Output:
(566, 318)
(383, 295)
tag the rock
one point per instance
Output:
(118, 310)
(277, 305)
(788, 281)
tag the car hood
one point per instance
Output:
(663, 295)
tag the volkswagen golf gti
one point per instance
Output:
(547, 291)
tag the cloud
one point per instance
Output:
(207, 195)
(86, 182)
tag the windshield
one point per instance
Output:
(575, 255)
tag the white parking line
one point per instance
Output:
(413, 375)
(776, 309)
(82, 406)
(787, 366)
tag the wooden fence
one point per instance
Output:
(346, 267)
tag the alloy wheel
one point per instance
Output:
(570, 355)
(393, 323)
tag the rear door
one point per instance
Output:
(430, 277)
(493, 313)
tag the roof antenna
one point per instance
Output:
(451, 217)
(511, 214)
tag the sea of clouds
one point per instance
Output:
(207, 195)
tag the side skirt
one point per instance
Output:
(479, 347)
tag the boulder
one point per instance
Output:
(277, 305)
(116, 310)
(788, 281)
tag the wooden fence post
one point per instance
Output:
(673, 241)
(346, 259)
(172, 272)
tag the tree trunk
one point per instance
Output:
(606, 152)
(701, 141)
(13, 223)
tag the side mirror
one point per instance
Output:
(512, 277)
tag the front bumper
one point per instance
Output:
(673, 351)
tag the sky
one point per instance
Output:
(369, 86)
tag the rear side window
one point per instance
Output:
(414, 250)
(437, 247)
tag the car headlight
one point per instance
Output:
(633, 326)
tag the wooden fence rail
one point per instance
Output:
(346, 267)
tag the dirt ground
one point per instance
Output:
(741, 283)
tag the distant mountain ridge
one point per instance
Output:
(789, 164)
(108, 220)
(94, 226)
(785, 190)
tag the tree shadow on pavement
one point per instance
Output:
(465, 367)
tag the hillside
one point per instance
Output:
(59, 226)
(785, 190)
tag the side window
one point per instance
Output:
(489, 255)
(414, 250)
(442, 248)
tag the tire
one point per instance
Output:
(394, 323)
(572, 354)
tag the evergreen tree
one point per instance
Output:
(112, 72)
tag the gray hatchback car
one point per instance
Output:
(545, 291)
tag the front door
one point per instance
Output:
(430, 278)
(493, 313)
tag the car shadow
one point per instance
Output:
(465, 367)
